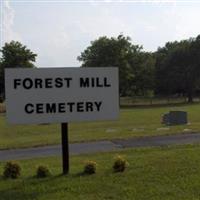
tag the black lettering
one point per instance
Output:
(84, 82)
(48, 83)
(89, 106)
(67, 81)
(70, 104)
(61, 107)
(98, 105)
(29, 108)
(58, 82)
(39, 108)
(93, 82)
(98, 83)
(27, 83)
(106, 83)
(16, 83)
(38, 83)
(80, 107)
(50, 108)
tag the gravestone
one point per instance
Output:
(175, 118)
(165, 119)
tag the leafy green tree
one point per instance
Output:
(143, 69)
(118, 52)
(1, 82)
(192, 79)
(14, 55)
(163, 70)
(178, 68)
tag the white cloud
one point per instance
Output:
(183, 21)
(188, 24)
(59, 32)
(8, 22)
(61, 38)
(105, 22)
(57, 50)
(150, 28)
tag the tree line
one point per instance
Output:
(171, 70)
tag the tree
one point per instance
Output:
(178, 68)
(193, 68)
(1, 82)
(118, 52)
(143, 69)
(162, 70)
(14, 55)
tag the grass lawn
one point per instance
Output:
(169, 173)
(133, 122)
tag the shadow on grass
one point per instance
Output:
(29, 188)
(15, 189)
(83, 174)
(58, 176)
(17, 194)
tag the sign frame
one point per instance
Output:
(25, 95)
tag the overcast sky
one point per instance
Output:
(59, 30)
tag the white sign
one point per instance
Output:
(47, 95)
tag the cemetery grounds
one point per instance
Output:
(171, 172)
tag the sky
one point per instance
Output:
(58, 31)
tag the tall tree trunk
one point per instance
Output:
(190, 96)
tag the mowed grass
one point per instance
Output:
(154, 173)
(133, 122)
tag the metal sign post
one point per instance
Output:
(65, 147)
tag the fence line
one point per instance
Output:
(140, 101)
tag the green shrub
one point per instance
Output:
(90, 167)
(12, 170)
(120, 164)
(42, 172)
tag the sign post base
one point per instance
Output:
(65, 147)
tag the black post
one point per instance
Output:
(65, 148)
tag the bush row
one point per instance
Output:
(13, 169)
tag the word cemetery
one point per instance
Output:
(62, 107)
